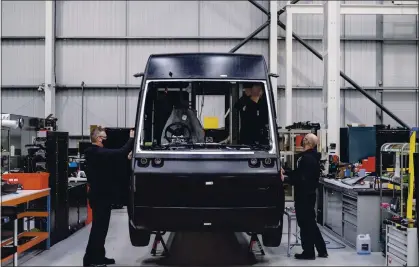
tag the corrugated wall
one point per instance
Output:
(368, 56)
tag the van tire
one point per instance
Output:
(138, 237)
(272, 237)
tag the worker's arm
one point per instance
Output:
(241, 102)
(305, 174)
(291, 177)
(299, 175)
(123, 151)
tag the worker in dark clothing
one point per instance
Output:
(99, 163)
(254, 115)
(241, 107)
(305, 179)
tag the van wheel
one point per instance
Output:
(272, 237)
(139, 238)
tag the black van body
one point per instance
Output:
(211, 188)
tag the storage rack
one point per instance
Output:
(400, 153)
(399, 238)
(289, 151)
(5, 150)
(401, 246)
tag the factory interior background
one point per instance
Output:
(96, 47)
(103, 43)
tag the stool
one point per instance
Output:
(290, 213)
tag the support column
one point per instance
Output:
(49, 82)
(273, 50)
(379, 119)
(331, 86)
(1, 65)
(288, 70)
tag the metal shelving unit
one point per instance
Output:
(396, 178)
(398, 238)
(5, 150)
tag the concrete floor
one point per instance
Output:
(192, 250)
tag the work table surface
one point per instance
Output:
(341, 187)
(22, 196)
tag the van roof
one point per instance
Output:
(206, 66)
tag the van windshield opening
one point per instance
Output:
(206, 115)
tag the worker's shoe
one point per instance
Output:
(95, 265)
(303, 256)
(102, 264)
(323, 255)
(109, 261)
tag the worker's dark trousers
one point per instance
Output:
(95, 250)
(309, 231)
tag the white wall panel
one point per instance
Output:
(281, 108)
(307, 68)
(101, 107)
(22, 62)
(400, 64)
(68, 109)
(306, 25)
(163, 18)
(24, 102)
(404, 105)
(360, 63)
(140, 51)
(404, 26)
(357, 108)
(307, 106)
(131, 106)
(93, 62)
(90, 18)
(359, 25)
(23, 18)
(231, 18)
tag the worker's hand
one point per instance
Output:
(247, 91)
(130, 155)
(131, 134)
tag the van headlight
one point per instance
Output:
(254, 163)
(157, 162)
(268, 162)
(143, 162)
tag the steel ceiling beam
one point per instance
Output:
(345, 77)
(255, 32)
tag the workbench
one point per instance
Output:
(349, 212)
(28, 238)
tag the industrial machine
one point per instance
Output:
(49, 153)
(190, 171)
